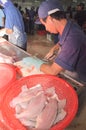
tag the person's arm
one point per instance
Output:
(51, 52)
(52, 69)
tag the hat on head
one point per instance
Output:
(49, 7)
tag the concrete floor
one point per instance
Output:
(39, 45)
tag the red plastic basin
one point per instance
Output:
(7, 77)
(63, 89)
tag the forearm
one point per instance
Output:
(52, 69)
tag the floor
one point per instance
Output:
(39, 45)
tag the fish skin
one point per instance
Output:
(47, 116)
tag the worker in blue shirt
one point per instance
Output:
(72, 42)
(14, 26)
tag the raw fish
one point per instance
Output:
(60, 116)
(38, 109)
(28, 123)
(26, 95)
(34, 108)
(47, 116)
(61, 104)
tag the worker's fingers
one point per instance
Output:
(52, 57)
(48, 55)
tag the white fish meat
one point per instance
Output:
(61, 112)
(47, 116)
(18, 109)
(34, 108)
(38, 109)
(50, 91)
(28, 123)
(26, 95)
(61, 104)
(60, 116)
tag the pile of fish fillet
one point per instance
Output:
(37, 108)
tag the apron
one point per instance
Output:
(18, 38)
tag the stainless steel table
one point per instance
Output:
(12, 50)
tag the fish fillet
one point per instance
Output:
(60, 116)
(47, 116)
(35, 106)
(26, 95)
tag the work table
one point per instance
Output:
(9, 49)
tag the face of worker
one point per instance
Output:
(49, 24)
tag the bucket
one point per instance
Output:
(63, 90)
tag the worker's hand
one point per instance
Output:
(53, 52)
(49, 55)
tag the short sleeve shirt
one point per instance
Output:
(15, 22)
(13, 17)
(72, 56)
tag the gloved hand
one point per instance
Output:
(33, 61)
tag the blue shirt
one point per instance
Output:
(13, 17)
(72, 56)
(15, 22)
